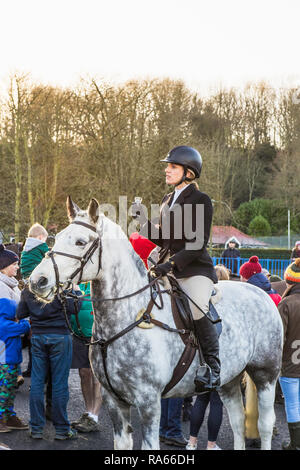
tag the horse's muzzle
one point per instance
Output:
(40, 287)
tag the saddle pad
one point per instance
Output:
(215, 317)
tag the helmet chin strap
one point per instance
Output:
(184, 178)
(181, 181)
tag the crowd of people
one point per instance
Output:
(54, 351)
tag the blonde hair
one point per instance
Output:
(37, 230)
(222, 272)
(192, 180)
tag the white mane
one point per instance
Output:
(118, 251)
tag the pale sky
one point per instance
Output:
(204, 42)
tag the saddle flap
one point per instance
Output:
(181, 311)
(184, 312)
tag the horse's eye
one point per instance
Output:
(80, 243)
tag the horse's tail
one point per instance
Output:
(251, 409)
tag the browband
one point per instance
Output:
(91, 227)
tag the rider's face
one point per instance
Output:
(174, 173)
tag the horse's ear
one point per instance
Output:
(93, 210)
(72, 208)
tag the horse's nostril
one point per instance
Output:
(42, 282)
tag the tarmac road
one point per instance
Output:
(103, 440)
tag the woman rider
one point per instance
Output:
(188, 260)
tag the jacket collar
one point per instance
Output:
(169, 198)
(291, 289)
(185, 193)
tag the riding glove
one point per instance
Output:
(163, 268)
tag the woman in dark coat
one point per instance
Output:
(289, 309)
(183, 233)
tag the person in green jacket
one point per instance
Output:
(91, 389)
(34, 249)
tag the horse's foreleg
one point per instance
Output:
(150, 418)
(120, 416)
(232, 398)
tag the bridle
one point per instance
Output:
(87, 256)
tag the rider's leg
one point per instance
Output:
(199, 288)
(207, 336)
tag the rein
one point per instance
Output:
(154, 291)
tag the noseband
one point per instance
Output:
(83, 259)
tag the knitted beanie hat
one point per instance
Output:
(251, 267)
(292, 272)
(7, 257)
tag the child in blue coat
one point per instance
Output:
(10, 358)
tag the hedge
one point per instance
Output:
(268, 253)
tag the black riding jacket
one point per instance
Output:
(192, 260)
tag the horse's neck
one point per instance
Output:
(122, 270)
(122, 273)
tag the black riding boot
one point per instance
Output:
(207, 336)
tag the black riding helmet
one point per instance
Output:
(188, 157)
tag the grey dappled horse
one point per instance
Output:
(141, 362)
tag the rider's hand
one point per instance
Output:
(138, 212)
(163, 269)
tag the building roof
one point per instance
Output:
(221, 234)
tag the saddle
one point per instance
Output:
(183, 320)
(183, 306)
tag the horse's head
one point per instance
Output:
(75, 256)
